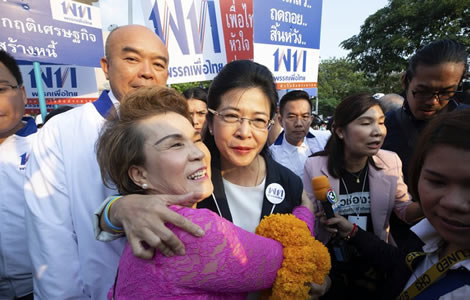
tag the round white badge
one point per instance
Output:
(275, 193)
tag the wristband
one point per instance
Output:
(353, 231)
(106, 217)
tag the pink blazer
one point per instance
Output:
(387, 191)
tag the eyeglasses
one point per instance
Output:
(426, 95)
(5, 88)
(230, 118)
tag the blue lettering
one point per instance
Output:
(290, 60)
(76, 9)
(178, 26)
(60, 78)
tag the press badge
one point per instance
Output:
(360, 221)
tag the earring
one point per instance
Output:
(145, 186)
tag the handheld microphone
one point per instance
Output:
(325, 194)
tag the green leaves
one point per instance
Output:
(394, 33)
(337, 79)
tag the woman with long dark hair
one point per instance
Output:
(368, 182)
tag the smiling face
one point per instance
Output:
(177, 162)
(12, 102)
(365, 135)
(198, 111)
(444, 191)
(239, 144)
(136, 57)
(442, 77)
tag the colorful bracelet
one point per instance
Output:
(106, 217)
(351, 234)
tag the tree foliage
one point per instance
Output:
(181, 87)
(390, 36)
(337, 78)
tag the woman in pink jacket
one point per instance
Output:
(369, 185)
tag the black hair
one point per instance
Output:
(436, 53)
(10, 62)
(195, 93)
(348, 110)
(294, 95)
(239, 74)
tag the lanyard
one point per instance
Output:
(433, 273)
(358, 212)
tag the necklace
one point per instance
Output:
(358, 212)
(257, 171)
(358, 176)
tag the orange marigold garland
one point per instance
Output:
(305, 260)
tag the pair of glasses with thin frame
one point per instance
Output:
(441, 95)
(231, 118)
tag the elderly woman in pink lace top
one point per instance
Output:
(154, 149)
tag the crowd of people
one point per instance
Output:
(147, 193)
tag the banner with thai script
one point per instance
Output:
(52, 31)
(237, 23)
(192, 31)
(287, 40)
(63, 85)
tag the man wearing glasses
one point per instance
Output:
(16, 134)
(297, 141)
(432, 79)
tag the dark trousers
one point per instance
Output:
(27, 297)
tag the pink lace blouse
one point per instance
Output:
(226, 263)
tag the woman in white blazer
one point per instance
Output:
(368, 183)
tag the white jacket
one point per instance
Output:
(62, 190)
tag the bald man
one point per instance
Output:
(63, 185)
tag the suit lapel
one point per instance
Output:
(271, 177)
(334, 182)
(380, 190)
(219, 191)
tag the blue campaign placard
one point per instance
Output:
(52, 31)
(288, 22)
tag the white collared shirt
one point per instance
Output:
(294, 157)
(63, 188)
(16, 270)
(432, 241)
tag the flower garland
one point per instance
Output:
(305, 260)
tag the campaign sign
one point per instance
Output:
(192, 32)
(63, 85)
(237, 23)
(51, 31)
(287, 40)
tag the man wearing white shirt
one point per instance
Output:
(298, 141)
(16, 135)
(64, 187)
